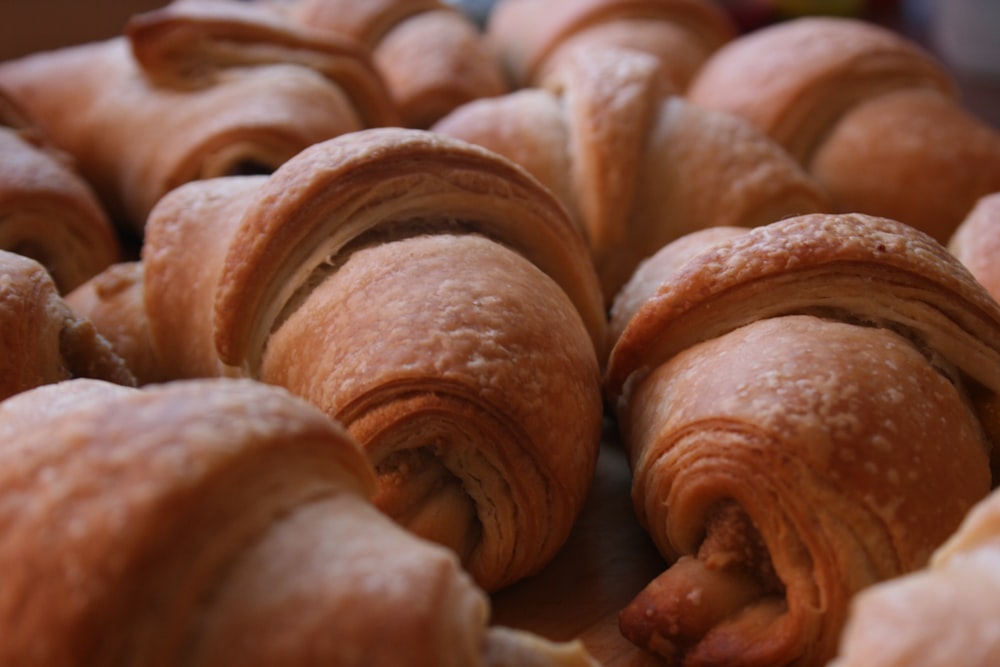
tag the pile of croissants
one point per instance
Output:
(315, 316)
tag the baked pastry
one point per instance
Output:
(219, 522)
(875, 118)
(113, 301)
(976, 242)
(430, 295)
(532, 40)
(942, 615)
(41, 339)
(432, 57)
(636, 165)
(809, 408)
(195, 91)
(47, 211)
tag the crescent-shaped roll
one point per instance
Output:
(194, 91)
(218, 522)
(430, 295)
(637, 165)
(873, 116)
(47, 210)
(432, 57)
(532, 37)
(976, 242)
(809, 408)
(42, 340)
(941, 616)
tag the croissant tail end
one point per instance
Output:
(682, 608)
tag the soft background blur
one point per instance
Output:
(964, 33)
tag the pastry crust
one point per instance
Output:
(637, 165)
(260, 93)
(431, 56)
(430, 295)
(217, 522)
(114, 300)
(808, 408)
(47, 210)
(873, 116)
(976, 242)
(944, 614)
(42, 340)
(532, 41)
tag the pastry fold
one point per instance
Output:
(873, 116)
(218, 522)
(944, 614)
(195, 91)
(635, 163)
(430, 295)
(47, 210)
(42, 340)
(532, 37)
(809, 409)
(976, 242)
(432, 57)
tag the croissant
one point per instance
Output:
(635, 164)
(976, 242)
(219, 522)
(47, 210)
(42, 340)
(942, 615)
(808, 409)
(432, 57)
(680, 34)
(874, 117)
(430, 295)
(194, 91)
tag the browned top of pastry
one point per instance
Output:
(853, 267)
(526, 34)
(187, 44)
(794, 79)
(351, 188)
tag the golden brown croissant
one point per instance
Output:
(941, 616)
(808, 408)
(636, 165)
(533, 37)
(870, 114)
(195, 91)
(432, 296)
(47, 211)
(41, 339)
(431, 56)
(976, 242)
(219, 522)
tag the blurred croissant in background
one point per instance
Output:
(868, 112)
(194, 91)
(636, 164)
(48, 212)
